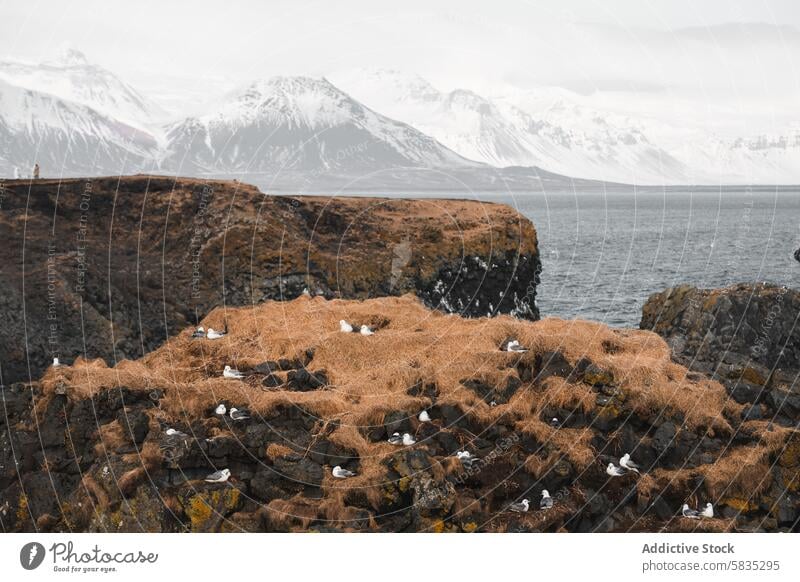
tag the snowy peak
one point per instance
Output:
(70, 57)
(72, 77)
(301, 124)
(300, 101)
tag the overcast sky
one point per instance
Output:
(711, 49)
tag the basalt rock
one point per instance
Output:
(155, 254)
(746, 336)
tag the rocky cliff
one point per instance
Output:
(87, 448)
(112, 267)
(745, 336)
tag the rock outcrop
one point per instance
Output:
(86, 448)
(745, 336)
(112, 267)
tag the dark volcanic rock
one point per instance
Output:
(746, 336)
(155, 255)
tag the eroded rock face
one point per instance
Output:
(111, 268)
(745, 336)
(86, 447)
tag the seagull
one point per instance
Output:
(340, 473)
(237, 414)
(466, 458)
(424, 416)
(218, 476)
(175, 433)
(214, 334)
(221, 410)
(626, 463)
(555, 423)
(521, 507)
(408, 440)
(396, 439)
(229, 372)
(547, 501)
(708, 512)
(345, 327)
(366, 331)
(513, 346)
(493, 403)
(614, 471)
(690, 513)
(200, 332)
(56, 363)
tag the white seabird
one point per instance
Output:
(555, 423)
(56, 363)
(466, 458)
(218, 476)
(396, 439)
(615, 471)
(340, 473)
(708, 511)
(690, 513)
(547, 501)
(221, 410)
(408, 440)
(345, 327)
(229, 372)
(513, 346)
(521, 507)
(200, 332)
(366, 330)
(626, 463)
(214, 334)
(424, 416)
(175, 433)
(237, 414)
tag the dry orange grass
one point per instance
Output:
(368, 377)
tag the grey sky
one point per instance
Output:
(638, 45)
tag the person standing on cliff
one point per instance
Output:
(35, 171)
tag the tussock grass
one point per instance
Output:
(370, 377)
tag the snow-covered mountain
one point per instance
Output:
(73, 78)
(555, 129)
(299, 124)
(66, 138)
(386, 129)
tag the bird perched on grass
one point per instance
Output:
(615, 471)
(200, 332)
(424, 416)
(229, 372)
(237, 414)
(686, 511)
(396, 439)
(514, 346)
(214, 334)
(171, 432)
(221, 409)
(521, 507)
(626, 463)
(345, 327)
(365, 330)
(708, 511)
(56, 363)
(466, 458)
(547, 501)
(218, 476)
(408, 440)
(340, 473)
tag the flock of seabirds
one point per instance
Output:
(626, 464)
